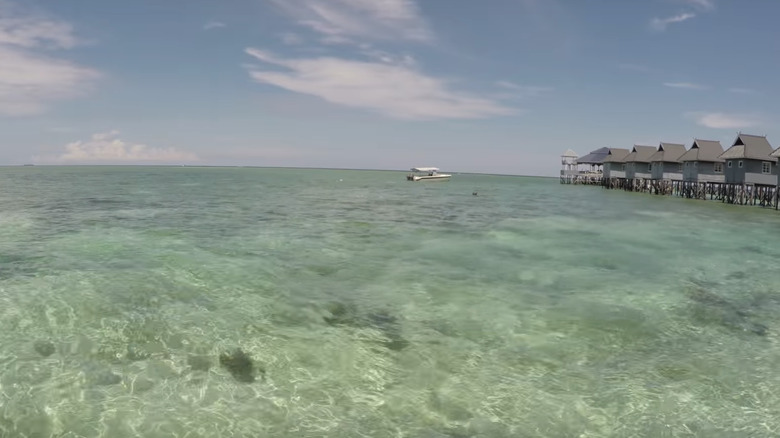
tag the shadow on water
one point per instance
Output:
(348, 314)
(241, 366)
(709, 308)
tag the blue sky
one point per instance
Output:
(500, 86)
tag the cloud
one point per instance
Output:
(686, 85)
(660, 24)
(719, 120)
(386, 57)
(30, 80)
(395, 90)
(29, 29)
(213, 25)
(291, 38)
(522, 91)
(341, 20)
(107, 148)
(507, 84)
(706, 5)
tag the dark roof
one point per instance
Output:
(668, 153)
(640, 154)
(704, 150)
(595, 157)
(617, 155)
(749, 147)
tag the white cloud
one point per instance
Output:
(26, 28)
(29, 80)
(291, 38)
(107, 148)
(340, 20)
(395, 90)
(521, 91)
(701, 4)
(507, 84)
(719, 120)
(686, 85)
(213, 25)
(660, 24)
(386, 57)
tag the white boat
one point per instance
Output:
(427, 174)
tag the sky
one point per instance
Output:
(494, 86)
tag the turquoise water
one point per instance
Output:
(376, 307)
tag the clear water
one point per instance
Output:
(376, 307)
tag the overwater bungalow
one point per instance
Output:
(590, 166)
(615, 163)
(594, 159)
(702, 162)
(638, 165)
(745, 173)
(749, 161)
(666, 164)
(776, 154)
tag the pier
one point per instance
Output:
(744, 174)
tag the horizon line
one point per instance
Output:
(258, 167)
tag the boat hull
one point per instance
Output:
(431, 178)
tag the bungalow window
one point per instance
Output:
(649, 167)
(718, 167)
(739, 164)
(766, 167)
(730, 163)
(695, 164)
(687, 164)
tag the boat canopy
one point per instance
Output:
(425, 169)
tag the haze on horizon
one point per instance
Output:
(500, 87)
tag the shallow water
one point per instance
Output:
(373, 306)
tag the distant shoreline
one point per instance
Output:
(194, 166)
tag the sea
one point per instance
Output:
(261, 302)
